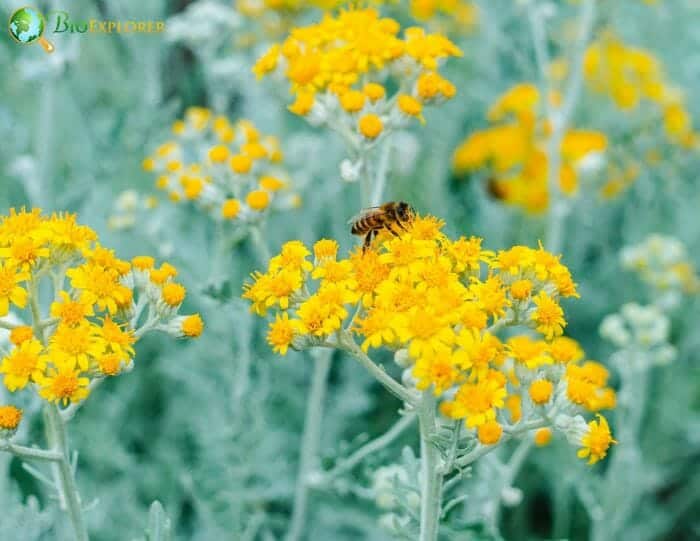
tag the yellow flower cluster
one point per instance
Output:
(439, 304)
(269, 19)
(342, 65)
(513, 151)
(101, 305)
(229, 169)
(629, 75)
(450, 16)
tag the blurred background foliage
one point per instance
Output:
(211, 428)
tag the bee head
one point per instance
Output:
(405, 211)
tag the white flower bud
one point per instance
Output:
(591, 164)
(349, 171)
(573, 427)
(511, 496)
(127, 201)
(403, 359)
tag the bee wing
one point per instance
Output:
(362, 214)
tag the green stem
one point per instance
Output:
(7, 325)
(431, 476)
(516, 462)
(382, 170)
(347, 343)
(559, 118)
(367, 449)
(310, 442)
(260, 244)
(63, 473)
(29, 453)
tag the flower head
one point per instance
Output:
(596, 441)
(90, 329)
(239, 176)
(430, 300)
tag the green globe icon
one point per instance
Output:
(27, 26)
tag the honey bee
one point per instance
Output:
(370, 221)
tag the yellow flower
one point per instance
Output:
(267, 62)
(514, 407)
(489, 433)
(543, 436)
(110, 364)
(163, 274)
(115, 337)
(240, 163)
(318, 318)
(518, 100)
(481, 350)
(24, 363)
(148, 164)
(431, 85)
(258, 200)
(548, 316)
(565, 350)
(219, 153)
(467, 254)
(586, 386)
(10, 290)
(410, 106)
(541, 391)
(21, 334)
(281, 334)
(352, 101)
(10, 417)
(24, 252)
(477, 402)
(303, 104)
(491, 295)
(173, 294)
(520, 290)
(426, 331)
(64, 385)
(292, 257)
(370, 125)
(230, 209)
(374, 91)
(596, 442)
(192, 326)
(143, 262)
(376, 327)
(271, 184)
(325, 249)
(100, 286)
(74, 346)
(529, 352)
(436, 369)
(71, 312)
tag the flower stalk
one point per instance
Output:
(431, 475)
(64, 479)
(310, 441)
(559, 118)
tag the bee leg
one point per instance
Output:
(368, 240)
(391, 230)
(400, 224)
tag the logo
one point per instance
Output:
(27, 26)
